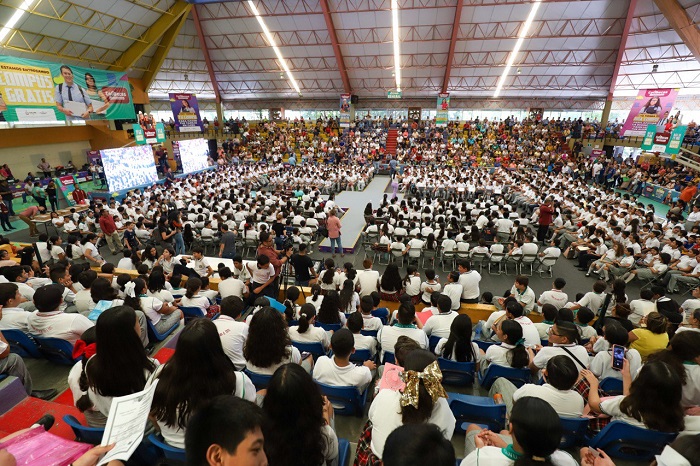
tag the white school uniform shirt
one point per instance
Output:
(14, 318)
(640, 308)
(494, 456)
(316, 303)
(231, 287)
(312, 335)
(691, 388)
(454, 292)
(611, 407)
(25, 291)
(555, 297)
(592, 301)
(412, 288)
(233, 335)
(293, 356)
(387, 337)
(601, 364)
(548, 352)
(260, 276)
(439, 325)
(530, 332)
(367, 280)
(498, 354)
(435, 286)
(57, 324)
(440, 347)
(327, 371)
(567, 403)
(200, 266)
(202, 302)
(385, 414)
(470, 284)
(365, 342)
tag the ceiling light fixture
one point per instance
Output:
(271, 41)
(514, 53)
(397, 49)
(14, 19)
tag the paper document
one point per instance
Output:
(126, 423)
(78, 108)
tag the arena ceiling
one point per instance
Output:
(573, 49)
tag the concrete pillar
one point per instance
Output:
(606, 113)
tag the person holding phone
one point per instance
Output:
(609, 363)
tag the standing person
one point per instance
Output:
(304, 271)
(6, 194)
(39, 194)
(267, 248)
(45, 168)
(544, 219)
(109, 228)
(52, 194)
(5, 217)
(227, 247)
(333, 225)
(28, 214)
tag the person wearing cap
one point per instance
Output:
(49, 321)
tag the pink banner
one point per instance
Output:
(651, 107)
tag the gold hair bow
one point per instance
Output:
(432, 378)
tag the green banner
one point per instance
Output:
(677, 135)
(33, 90)
(669, 143)
(139, 134)
(160, 132)
(649, 136)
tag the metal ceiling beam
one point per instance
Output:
(453, 43)
(336, 46)
(166, 43)
(682, 24)
(623, 46)
(205, 52)
(151, 36)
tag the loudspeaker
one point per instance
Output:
(354, 99)
(213, 147)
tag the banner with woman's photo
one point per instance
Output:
(186, 112)
(34, 90)
(651, 107)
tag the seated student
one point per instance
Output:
(16, 274)
(583, 317)
(230, 285)
(427, 405)
(193, 298)
(433, 307)
(226, 431)
(268, 345)
(378, 311)
(522, 293)
(316, 297)
(549, 313)
(338, 371)
(535, 432)
(407, 325)
(326, 279)
(121, 367)
(564, 339)
(683, 356)
(429, 286)
(158, 286)
(514, 310)
(440, 324)
(458, 346)
(239, 271)
(349, 298)
(330, 312)
(299, 420)
(83, 298)
(601, 364)
(453, 290)
(511, 352)
(593, 299)
(560, 375)
(487, 298)
(233, 333)
(653, 399)
(129, 261)
(50, 322)
(555, 296)
(355, 324)
(418, 445)
(198, 371)
(306, 332)
(12, 317)
(162, 315)
(291, 308)
(60, 275)
(370, 322)
(206, 291)
(412, 284)
(652, 338)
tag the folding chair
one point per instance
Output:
(519, 377)
(448, 256)
(611, 386)
(457, 373)
(84, 434)
(191, 312)
(478, 410)
(361, 356)
(154, 334)
(427, 254)
(478, 258)
(56, 350)
(397, 253)
(316, 349)
(496, 259)
(528, 260)
(328, 327)
(625, 441)
(433, 341)
(345, 400)
(548, 264)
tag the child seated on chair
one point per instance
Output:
(430, 286)
(370, 322)
(338, 371)
(355, 324)
(584, 316)
(306, 332)
(549, 313)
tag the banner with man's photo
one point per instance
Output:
(186, 113)
(34, 90)
(651, 107)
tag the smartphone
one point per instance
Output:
(305, 354)
(593, 451)
(618, 356)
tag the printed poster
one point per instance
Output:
(186, 113)
(34, 90)
(651, 107)
(345, 110)
(443, 108)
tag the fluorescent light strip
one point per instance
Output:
(272, 43)
(14, 19)
(514, 53)
(397, 49)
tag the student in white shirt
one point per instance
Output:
(306, 332)
(387, 413)
(564, 340)
(355, 324)
(11, 315)
(523, 294)
(316, 297)
(407, 325)
(429, 286)
(511, 352)
(371, 322)
(439, 325)
(368, 279)
(268, 345)
(549, 313)
(50, 322)
(412, 284)
(555, 296)
(349, 298)
(162, 315)
(469, 279)
(193, 298)
(233, 333)
(453, 290)
(458, 345)
(601, 364)
(338, 371)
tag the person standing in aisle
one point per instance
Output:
(333, 225)
(545, 219)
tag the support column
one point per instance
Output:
(606, 112)
(220, 114)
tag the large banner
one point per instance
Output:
(67, 186)
(651, 107)
(33, 90)
(664, 141)
(443, 108)
(186, 113)
(345, 110)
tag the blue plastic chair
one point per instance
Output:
(154, 334)
(361, 355)
(382, 314)
(476, 410)
(611, 386)
(191, 312)
(259, 380)
(369, 333)
(457, 373)
(574, 431)
(22, 344)
(346, 401)
(625, 441)
(170, 453)
(484, 345)
(389, 357)
(328, 327)
(432, 342)
(56, 350)
(519, 377)
(316, 349)
(83, 433)
(343, 452)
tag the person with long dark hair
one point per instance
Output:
(683, 356)
(349, 298)
(268, 345)
(326, 279)
(458, 346)
(299, 428)
(306, 332)
(391, 283)
(511, 352)
(192, 297)
(157, 286)
(330, 312)
(162, 315)
(116, 365)
(198, 371)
